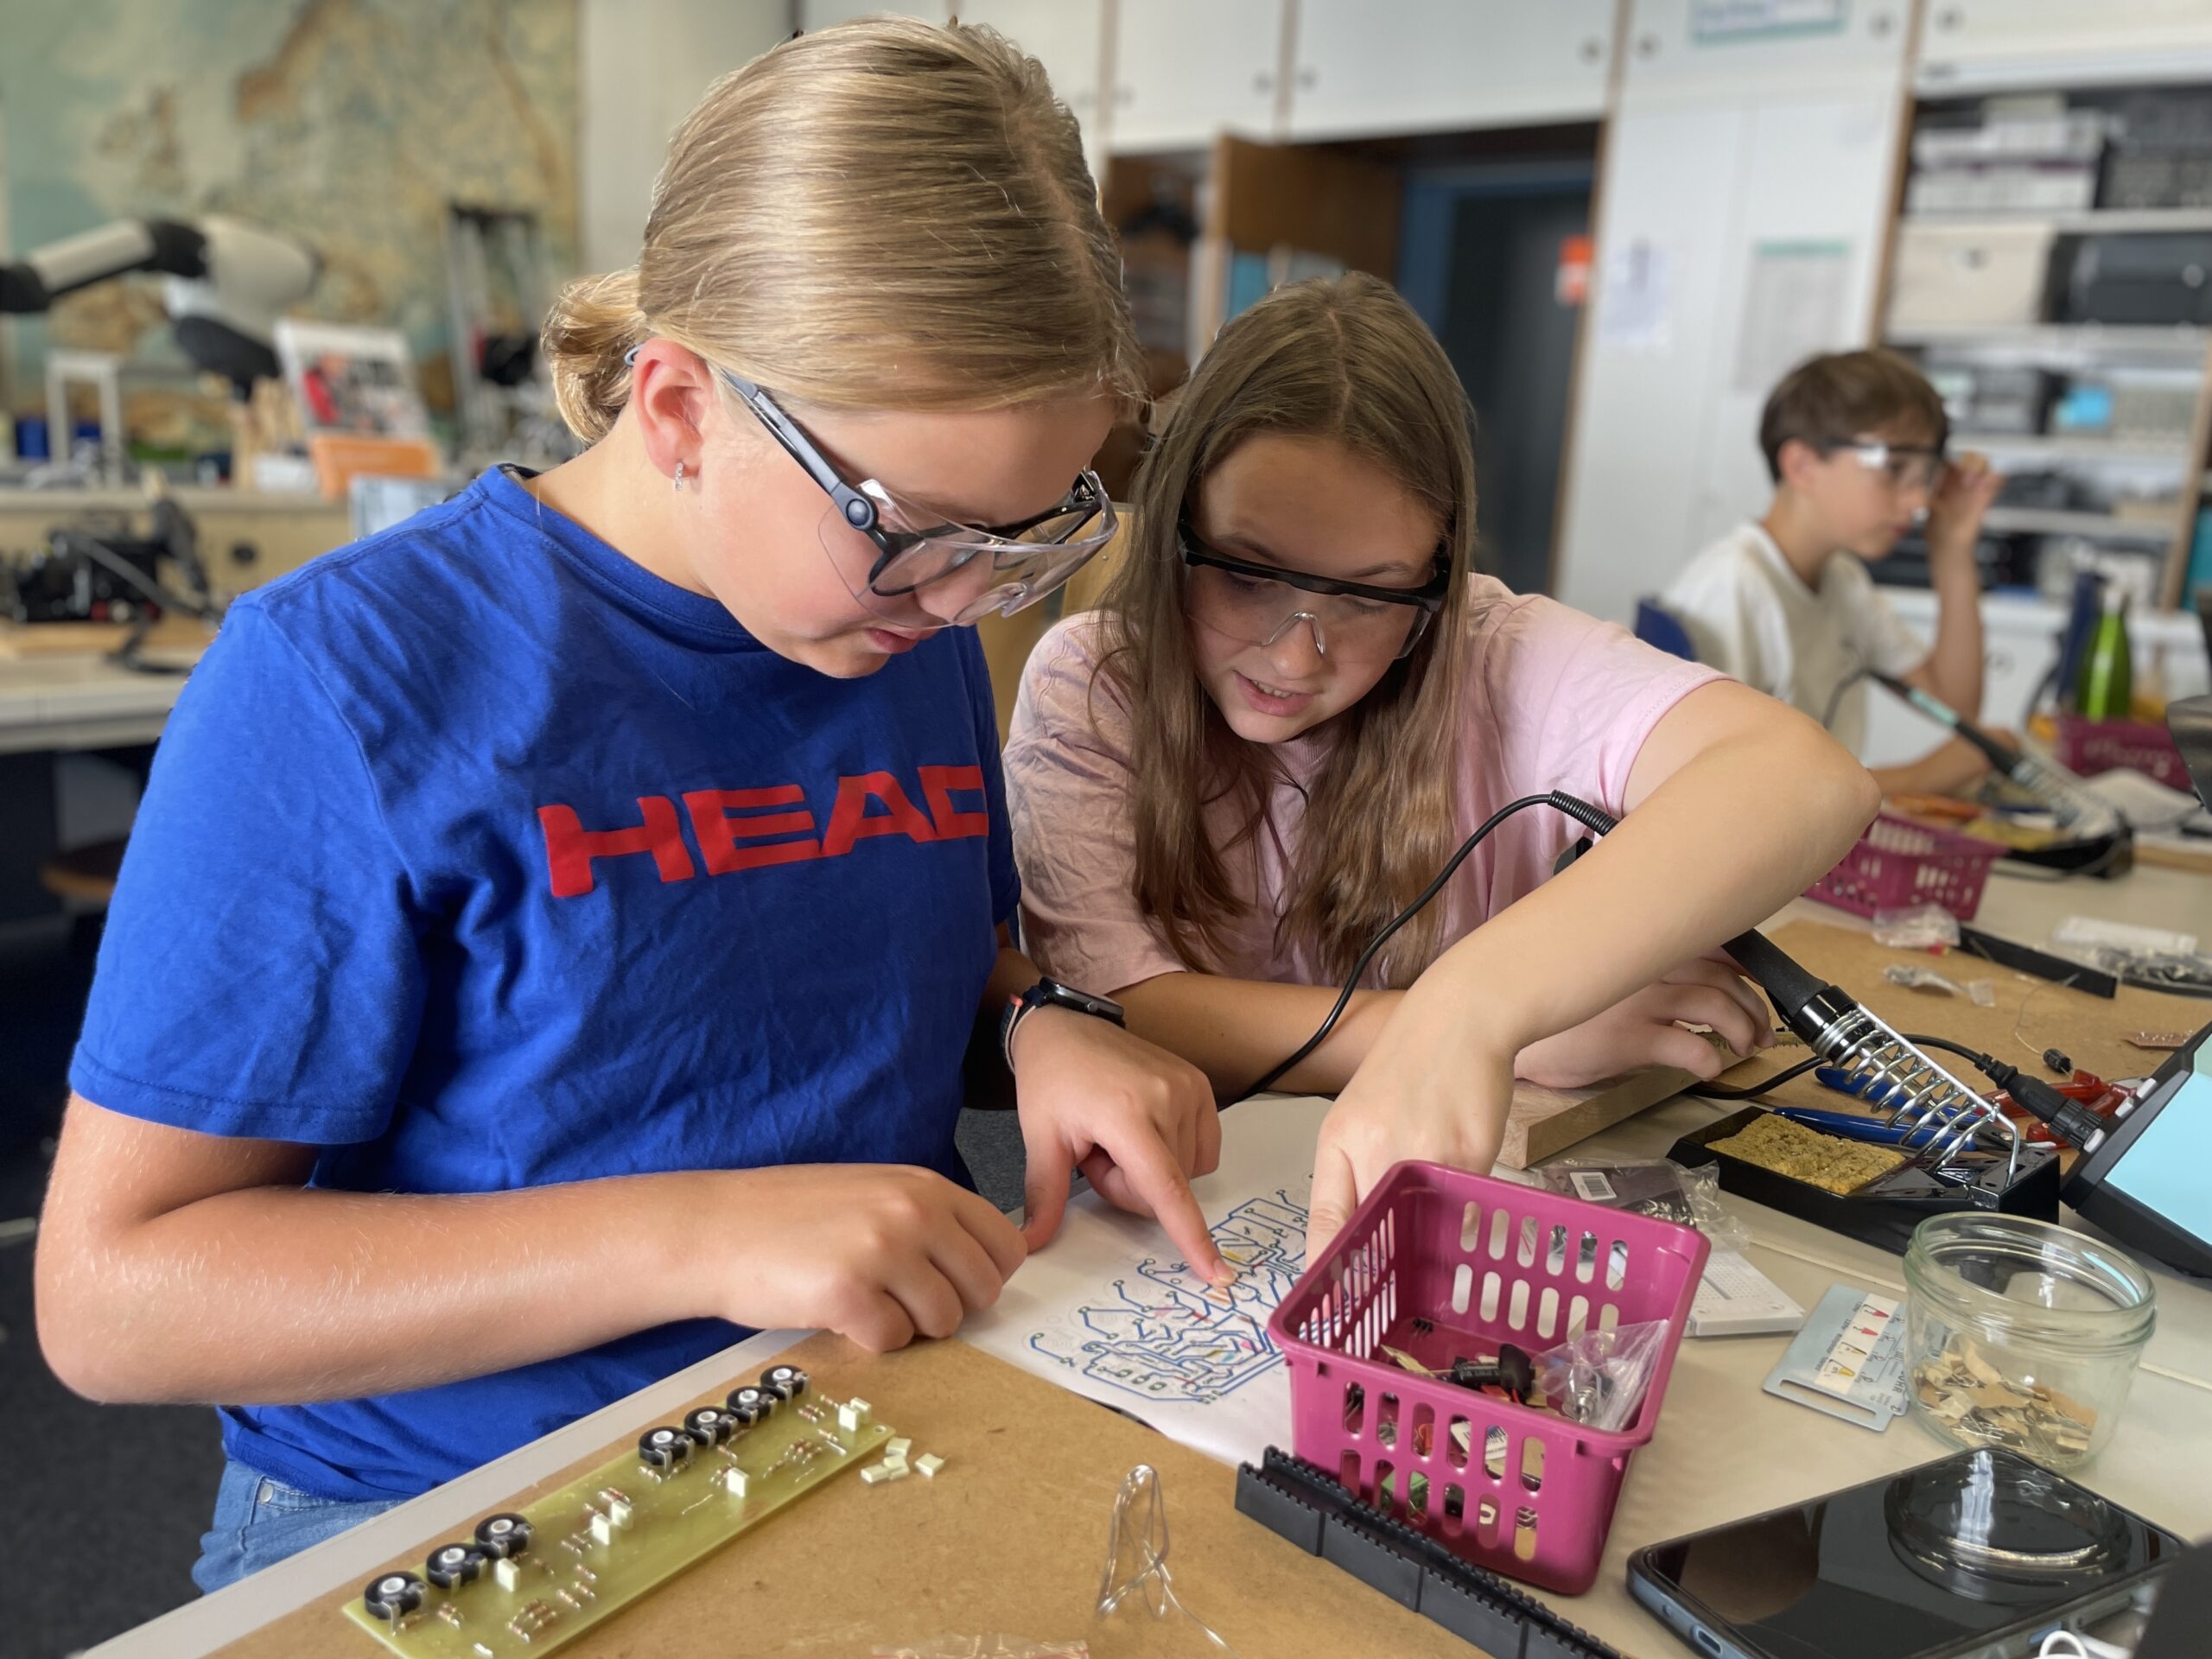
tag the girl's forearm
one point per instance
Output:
(1735, 832)
(1236, 1030)
(285, 1293)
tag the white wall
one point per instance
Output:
(642, 68)
(1715, 150)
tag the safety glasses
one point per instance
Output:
(1908, 465)
(1008, 567)
(1353, 622)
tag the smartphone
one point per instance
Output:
(1969, 1555)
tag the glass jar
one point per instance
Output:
(2022, 1334)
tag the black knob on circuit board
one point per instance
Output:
(750, 1405)
(505, 1537)
(710, 1426)
(784, 1382)
(392, 1595)
(664, 1447)
(451, 1566)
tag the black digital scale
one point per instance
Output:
(1975, 1554)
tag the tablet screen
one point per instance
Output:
(2163, 1168)
(1911, 1563)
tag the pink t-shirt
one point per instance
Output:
(1555, 700)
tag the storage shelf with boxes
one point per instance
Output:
(2053, 273)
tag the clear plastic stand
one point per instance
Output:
(1138, 1612)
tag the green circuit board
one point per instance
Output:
(589, 1549)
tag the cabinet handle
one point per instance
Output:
(1123, 95)
(1949, 17)
(1592, 49)
(1879, 24)
(1263, 83)
(1647, 46)
(1308, 79)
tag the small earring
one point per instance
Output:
(679, 477)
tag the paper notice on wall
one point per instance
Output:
(1794, 305)
(1635, 305)
(1714, 21)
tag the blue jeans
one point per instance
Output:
(259, 1521)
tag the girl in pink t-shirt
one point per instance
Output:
(1294, 701)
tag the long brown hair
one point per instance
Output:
(1348, 361)
(889, 214)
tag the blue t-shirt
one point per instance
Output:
(479, 857)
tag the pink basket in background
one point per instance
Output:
(1442, 1265)
(2089, 746)
(1900, 862)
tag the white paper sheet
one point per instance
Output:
(1795, 304)
(1111, 1310)
(1636, 299)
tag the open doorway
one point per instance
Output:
(1495, 255)
(1487, 234)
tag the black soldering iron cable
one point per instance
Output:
(1593, 818)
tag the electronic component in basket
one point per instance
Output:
(526, 1581)
(1827, 1161)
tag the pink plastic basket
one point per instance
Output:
(2089, 746)
(1899, 862)
(1442, 1264)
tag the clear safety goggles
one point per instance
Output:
(968, 571)
(1353, 622)
(1907, 466)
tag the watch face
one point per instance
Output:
(1051, 990)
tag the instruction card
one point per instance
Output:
(1849, 1359)
(1110, 1311)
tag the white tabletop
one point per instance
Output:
(67, 701)
(1724, 1449)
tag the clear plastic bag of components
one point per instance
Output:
(1915, 927)
(1598, 1378)
(1654, 1186)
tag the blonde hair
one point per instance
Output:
(887, 214)
(1349, 361)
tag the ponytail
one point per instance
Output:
(588, 337)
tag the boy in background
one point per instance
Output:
(1854, 442)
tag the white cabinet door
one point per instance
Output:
(1068, 37)
(1183, 73)
(815, 15)
(1440, 65)
(1642, 399)
(1710, 211)
(1065, 35)
(1707, 48)
(1974, 26)
(1974, 45)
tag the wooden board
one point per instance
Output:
(1009, 1537)
(2174, 858)
(1544, 1123)
(2030, 1014)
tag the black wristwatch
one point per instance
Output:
(1050, 994)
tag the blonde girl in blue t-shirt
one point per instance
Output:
(441, 1081)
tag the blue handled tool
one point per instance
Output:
(1873, 1090)
(1850, 1126)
